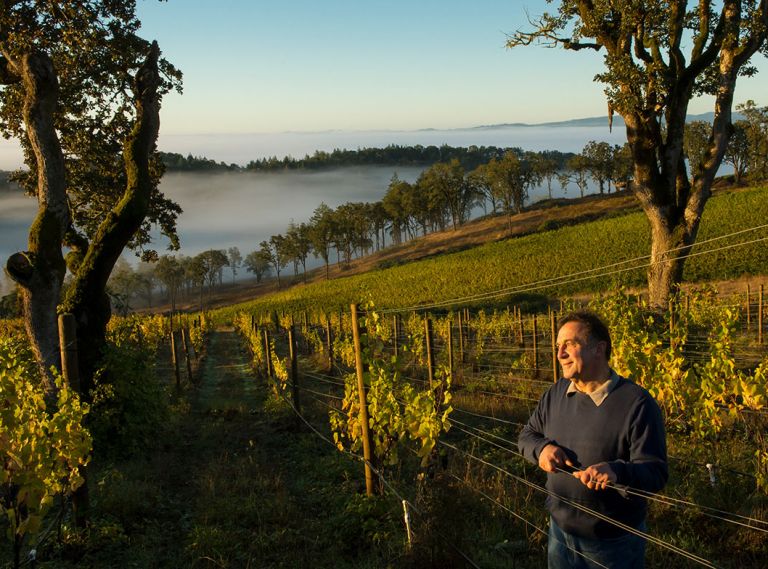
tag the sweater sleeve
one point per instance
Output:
(646, 468)
(532, 438)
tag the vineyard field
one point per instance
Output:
(519, 264)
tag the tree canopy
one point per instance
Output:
(81, 93)
(657, 56)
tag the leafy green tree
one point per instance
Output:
(77, 82)
(512, 178)
(298, 247)
(170, 272)
(42, 446)
(622, 166)
(257, 263)
(599, 158)
(738, 152)
(213, 261)
(235, 259)
(352, 230)
(321, 231)
(122, 286)
(146, 281)
(577, 172)
(545, 168)
(756, 119)
(394, 204)
(196, 272)
(274, 250)
(696, 143)
(449, 190)
(379, 219)
(483, 186)
(658, 55)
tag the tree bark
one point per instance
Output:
(87, 298)
(39, 272)
(673, 201)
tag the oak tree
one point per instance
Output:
(658, 56)
(81, 91)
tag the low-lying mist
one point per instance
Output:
(242, 209)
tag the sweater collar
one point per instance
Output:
(599, 394)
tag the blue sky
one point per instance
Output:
(304, 65)
(259, 67)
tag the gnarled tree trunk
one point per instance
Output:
(40, 270)
(87, 298)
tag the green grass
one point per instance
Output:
(550, 254)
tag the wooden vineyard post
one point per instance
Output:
(294, 369)
(364, 425)
(395, 332)
(450, 350)
(329, 343)
(461, 339)
(749, 308)
(760, 316)
(70, 370)
(305, 331)
(267, 352)
(535, 347)
(554, 346)
(430, 353)
(185, 344)
(671, 323)
(467, 327)
(521, 329)
(175, 359)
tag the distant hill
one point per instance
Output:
(593, 121)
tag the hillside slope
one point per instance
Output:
(533, 267)
(540, 216)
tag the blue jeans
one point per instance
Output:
(566, 551)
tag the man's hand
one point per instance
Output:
(597, 476)
(553, 457)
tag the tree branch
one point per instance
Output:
(704, 26)
(545, 32)
(757, 37)
(676, 34)
(8, 75)
(126, 218)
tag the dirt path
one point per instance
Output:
(232, 484)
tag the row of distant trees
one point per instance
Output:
(446, 192)
(175, 277)
(469, 157)
(442, 197)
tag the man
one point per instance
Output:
(594, 432)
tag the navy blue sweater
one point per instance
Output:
(626, 431)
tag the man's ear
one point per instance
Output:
(602, 346)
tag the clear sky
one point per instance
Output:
(260, 67)
(308, 65)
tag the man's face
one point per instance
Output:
(579, 356)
